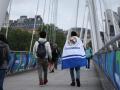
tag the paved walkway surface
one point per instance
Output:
(60, 80)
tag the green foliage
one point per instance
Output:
(60, 39)
(18, 39)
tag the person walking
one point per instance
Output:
(53, 64)
(77, 69)
(42, 51)
(4, 58)
(73, 57)
(88, 52)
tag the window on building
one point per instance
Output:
(112, 32)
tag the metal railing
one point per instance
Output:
(21, 61)
(107, 62)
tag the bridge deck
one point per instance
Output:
(59, 80)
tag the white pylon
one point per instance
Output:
(95, 33)
(86, 31)
(3, 9)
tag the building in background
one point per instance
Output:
(110, 23)
(26, 23)
(78, 30)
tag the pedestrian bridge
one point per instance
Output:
(104, 73)
(59, 80)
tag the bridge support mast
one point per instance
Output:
(3, 9)
(95, 33)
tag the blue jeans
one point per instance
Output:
(2, 76)
(77, 69)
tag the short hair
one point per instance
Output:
(42, 34)
(3, 38)
(73, 33)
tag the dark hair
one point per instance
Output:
(42, 34)
(73, 33)
(3, 38)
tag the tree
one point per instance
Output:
(19, 40)
(60, 39)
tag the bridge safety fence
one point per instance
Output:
(107, 60)
(109, 63)
(21, 61)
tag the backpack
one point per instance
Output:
(3, 54)
(41, 50)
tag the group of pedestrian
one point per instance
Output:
(46, 55)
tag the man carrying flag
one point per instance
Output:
(74, 57)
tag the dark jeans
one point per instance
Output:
(77, 69)
(2, 76)
(56, 63)
(88, 64)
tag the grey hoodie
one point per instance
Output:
(47, 46)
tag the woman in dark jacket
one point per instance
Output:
(4, 58)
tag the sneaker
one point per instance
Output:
(78, 82)
(72, 84)
(45, 82)
(52, 71)
(41, 82)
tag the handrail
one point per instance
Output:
(110, 42)
(107, 61)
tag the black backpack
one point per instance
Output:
(41, 50)
(3, 54)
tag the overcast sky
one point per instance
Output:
(66, 11)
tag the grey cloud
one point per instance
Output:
(66, 10)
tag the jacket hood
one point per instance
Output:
(42, 39)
